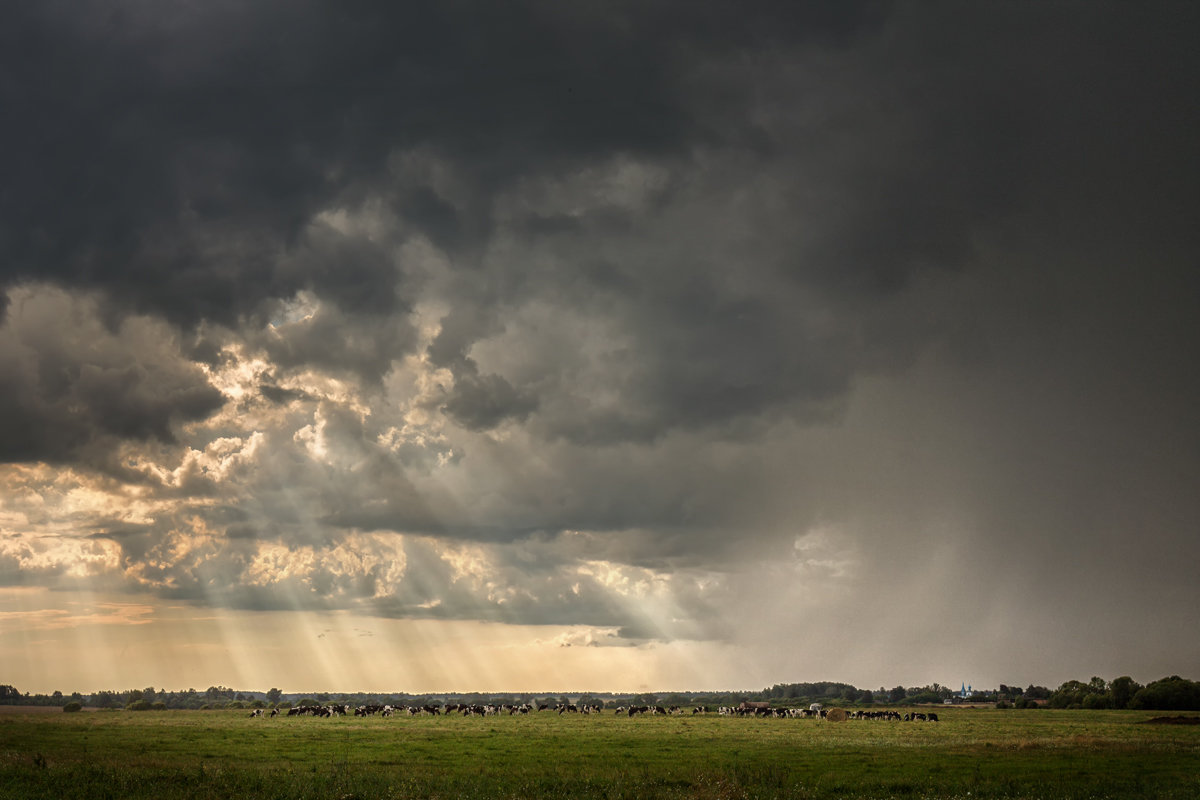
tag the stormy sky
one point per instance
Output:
(610, 346)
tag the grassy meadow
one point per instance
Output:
(975, 753)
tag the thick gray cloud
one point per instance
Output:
(75, 389)
(549, 313)
(171, 154)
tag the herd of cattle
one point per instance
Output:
(468, 710)
(821, 713)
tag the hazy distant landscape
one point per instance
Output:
(1171, 693)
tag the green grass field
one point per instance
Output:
(225, 754)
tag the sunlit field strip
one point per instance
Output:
(195, 754)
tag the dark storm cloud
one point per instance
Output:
(363, 345)
(353, 272)
(481, 402)
(278, 395)
(173, 154)
(170, 155)
(176, 160)
(73, 388)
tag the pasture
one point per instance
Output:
(971, 753)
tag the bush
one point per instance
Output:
(72, 707)
(159, 705)
(140, 705)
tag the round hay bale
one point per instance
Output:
(835, 715)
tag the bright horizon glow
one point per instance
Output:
(134, 643)
(174, 648)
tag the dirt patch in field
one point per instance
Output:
(1173, 721)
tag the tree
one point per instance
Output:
(926, 696)
(1070, 695)
(1169, 694)
(1122, 690)
(896, 695)
(105, 699)
(273, 695)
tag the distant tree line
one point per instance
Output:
(1173, 693)
(148, 699)
(1169, 694)
(844, 694)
